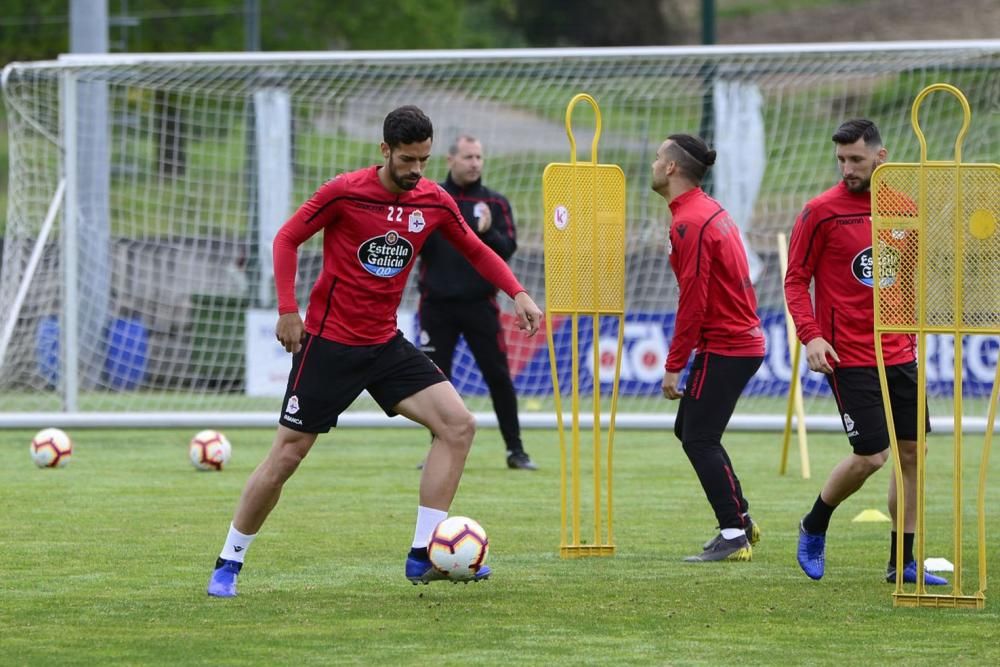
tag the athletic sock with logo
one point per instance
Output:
(236, 545)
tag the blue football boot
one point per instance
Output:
(223, 581)
(910, 575)
(420, 571)
(812, 553)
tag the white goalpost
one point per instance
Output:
(145, 189)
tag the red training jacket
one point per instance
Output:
(832, 244)
(371, 238)
(717, 308)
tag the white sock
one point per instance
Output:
(732, 533)
(236, 545)
(427, 520)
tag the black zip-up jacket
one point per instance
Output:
(445, 275)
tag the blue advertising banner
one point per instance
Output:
(646, 339)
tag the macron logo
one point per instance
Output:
(237, 549)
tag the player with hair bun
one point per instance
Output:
(716, 319)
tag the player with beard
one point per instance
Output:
(831, 244)
(374, 222)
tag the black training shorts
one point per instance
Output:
(859, 399)
(326, 377)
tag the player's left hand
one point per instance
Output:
(529, 316)
(671, 386)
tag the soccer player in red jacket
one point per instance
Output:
(831, 245)
(374, 222)
(717, 319)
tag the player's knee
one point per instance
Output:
(871, 463)
(467, 427)
(908, 454)
(459, 428)
(701, 445)
(285, 458)
(291, 457)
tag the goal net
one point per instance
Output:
(136, 285)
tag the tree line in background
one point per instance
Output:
(39, 29)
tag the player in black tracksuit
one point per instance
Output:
(455, 300)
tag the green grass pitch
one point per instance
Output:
(106, 561)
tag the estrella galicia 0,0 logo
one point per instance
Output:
(385, 256)
(863, 266)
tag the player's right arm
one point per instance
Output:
(804, 251)
(311, 217)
